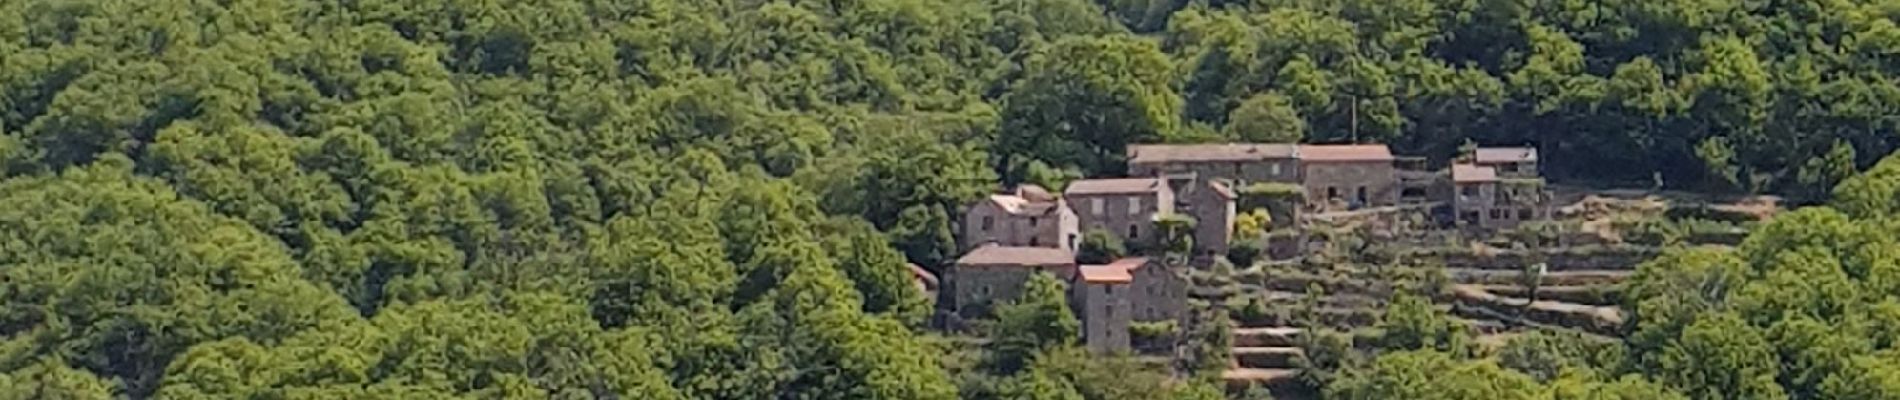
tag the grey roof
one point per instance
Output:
(1115, 186)
(1494, 155)
(1165, 153)
(1345, 152)
(992, 254)
(1017, 205)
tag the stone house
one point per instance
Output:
(1212, 204)
(1157, 293)
(991, 274)
(1356, 175)
(1106, 298)
(1099, 297)
(1026, 217)
(1126, 208)
(1483, 199)
(1236, 162)
(1109, 298)
(1509, 162)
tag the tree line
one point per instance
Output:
(715, 199)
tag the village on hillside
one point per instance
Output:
(1281, 239)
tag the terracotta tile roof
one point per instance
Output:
(1345, 152)
(1105, 274)
(1120, 271)
(992, 254)
(1114, 186)
(1165, 153)
(1467, 173)
(925, 279)
(1494, 155)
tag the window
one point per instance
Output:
(1524, 213)
(1109, 311)
(1332, 192)
(1109, 290)
(1471, 217)
(1275, 167)
(1151, 311)
(1134, 231)
(1032, 222)
(1095, 205)
(1469, 190)
(1134, 205)
(1035, 241)
(985, 290)
(987, 222)
(1507, 168)
(1497, 214)
(1363, 198)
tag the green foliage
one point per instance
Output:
(1266, 118)
(1547, 355)
(714, 199)
(1100, 247)
(1038, 321)
(1431, 375)
(1244, 253)
(1410, 323)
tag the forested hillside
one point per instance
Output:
(715, 198)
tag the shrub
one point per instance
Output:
(1244, 253)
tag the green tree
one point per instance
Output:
(1100, 247)
(1266, 118)
(1038, 321)
(1082, 100)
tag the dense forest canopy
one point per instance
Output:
(715, 198)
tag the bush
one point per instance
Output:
(1100, 247)
(1151, 331)
(1244, 254)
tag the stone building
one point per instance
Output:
(1483, 199)
(1107, 298)
(1157, 293)
(1354, 175)
(1026, 217)
(1509, 162)
(1235, 162)
(1212, 204)
(1126, 208)
(991, 274)
(1100, 298)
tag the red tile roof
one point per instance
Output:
(1345, 152)
(1114, 186)
(1105, 274)
(1165, 153)
(1467, 173)
(992, 254)
(1120, 271)
(925, 279)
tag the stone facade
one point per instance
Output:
(991, 274)
(1508, 162)
(1212, 206)
(1157, 293)
(1100, 297)
(1126, 208)
(1483, 199)
(1355, 175)
(1027, 217)
(1236, 162)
